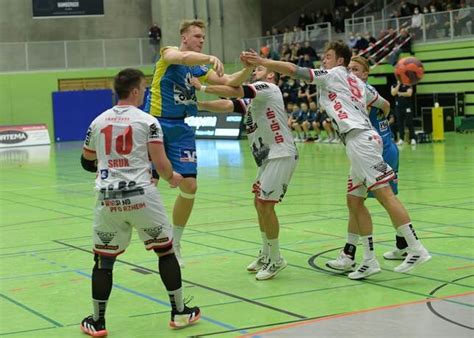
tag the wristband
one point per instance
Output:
(203, 89)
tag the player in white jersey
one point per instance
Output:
(273, 149)
(345, 98)
(118, 145)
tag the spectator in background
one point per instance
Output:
(416, 22)
(361, 43)
(294, 122)
(288, 35)
(289, 90)
(338, 21)
(308, 50)
(275, 31)
(370, 38)
(352, 40)
(404, 110)
(403, 45)
(285, 53)
(405, 9)
(154, 38)
(327, 16)
(432, 23)
(461, 19)
(303, 21)
(302, 97)
(298, 34)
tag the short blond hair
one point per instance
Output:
(361, 61)
(188, 23)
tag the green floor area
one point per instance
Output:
(45, 225)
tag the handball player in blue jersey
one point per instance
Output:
(172, 98)
(346, 260)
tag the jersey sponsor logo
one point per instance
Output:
(319, 72)
(188, 155)
(266, 194)
(154, 131)
(380, 167)
(250, 126)
(185, 95)
(157, 240)
(106, 237)
(88, 136)
(261, 86)
(119, 163)
(383, 125)
(12, 136)
(154, 232)
(104, 173)
(260, 152)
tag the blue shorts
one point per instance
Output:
(390, 155)
(180, 146)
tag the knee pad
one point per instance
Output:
(104, 262)
(187, 196)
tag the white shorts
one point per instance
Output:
(117, 212)
(273, 178)
(368, 170)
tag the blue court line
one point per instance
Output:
(153, 299)
(55, 323)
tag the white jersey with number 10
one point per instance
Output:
(119, 137)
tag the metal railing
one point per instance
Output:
(49, 55)
(449, 25)
(317, 35)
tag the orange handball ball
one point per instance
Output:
(409, 70)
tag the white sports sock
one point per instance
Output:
(368, 244)
(352, 238)
(176, 299)
(177, 233)
(265, 247)
(409, 233)
(274, 247)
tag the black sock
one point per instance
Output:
(350, 250)
(170, 274)
(101, 288)
(401, 242)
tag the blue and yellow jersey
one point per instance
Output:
(171, 94)
(380, 122)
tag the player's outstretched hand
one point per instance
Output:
(195, 83)
(217, 65)
(251, 58)
(175, 180)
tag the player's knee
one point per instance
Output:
(188, 188)
(264, 208)
(354, 202)
(103, 262)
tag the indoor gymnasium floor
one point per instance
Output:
(46, 261)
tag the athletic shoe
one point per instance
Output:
(343, 263)
(257, 264)
(413, 142)
(182, 319)
(400, 142)
(396, 254)
(93, 328)
(413, 259)
(177, 252)
(366, 268)
(271, 269)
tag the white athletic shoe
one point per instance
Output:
(366, 268)
(413, 259)
(271, 269)
(177, 252)
(343, 262)
(257, 264)
(413, 142)
(396, 254)
(400, 142)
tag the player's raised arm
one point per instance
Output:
(190, 58)
(244, 91)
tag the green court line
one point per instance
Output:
(25, 331)
(198, 285)
(36, 313)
